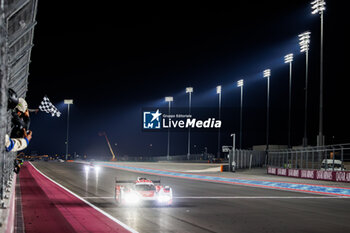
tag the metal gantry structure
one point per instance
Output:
(17, 22)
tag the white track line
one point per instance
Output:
(93, 206)
(260, 197)
(242, 197)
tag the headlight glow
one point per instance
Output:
(164, 198)
(97, 169)
(131, 198)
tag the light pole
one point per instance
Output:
(233, 161)
(189, 90)
(218, 91)
(240, 84)
(304, 39)
(68, 102)
(289, 59)
(169, 99)
(267, 74)
(319, 6)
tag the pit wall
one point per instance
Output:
(337, 176)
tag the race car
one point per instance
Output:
(142, 190)
(92, 166)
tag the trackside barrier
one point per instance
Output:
(338, 176)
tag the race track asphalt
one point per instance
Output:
(201, 206)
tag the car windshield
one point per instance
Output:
(145, 187)
(330, 165)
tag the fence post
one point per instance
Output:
(342, 157)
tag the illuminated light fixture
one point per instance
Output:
(240, 83)
(218, 89)
(304, 41)
(68, 101)
(169, 99)
(189, 89)
(318, 6)
(288, 58)
(267, 73)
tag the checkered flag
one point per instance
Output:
(48, 107)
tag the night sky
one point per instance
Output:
(112, 60)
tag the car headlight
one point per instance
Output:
(164, 198)
(131, 198)
(97, 169)
(86, 168)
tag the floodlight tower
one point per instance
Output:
(240, 84)
(304, 39)
(289, 59)
(319, 6)
(267, 74)
(68, 102)
(189, 90)
(218, 91)
(169, 99)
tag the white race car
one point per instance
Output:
(142, 190)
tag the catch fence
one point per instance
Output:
(330, 157)
(17, 21)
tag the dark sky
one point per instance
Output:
(115, 59)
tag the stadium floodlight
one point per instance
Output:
(240, 84)
(318, 6)
(267, 73)
(218, 89)
(189, 90)
(289, 59)
(169, 99)
(304, 41)
(68, 102)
